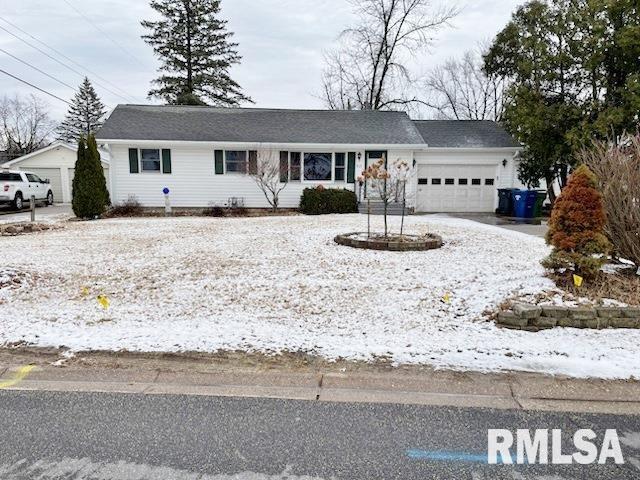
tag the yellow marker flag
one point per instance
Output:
(446, 298)
(577, 280)
(104, 301)
(85, 291)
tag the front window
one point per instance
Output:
(150, 159)
(236, 161)
(294, 171)
(340, 167)
(317, 166)
(34, 178)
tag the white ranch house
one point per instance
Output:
(202, 154)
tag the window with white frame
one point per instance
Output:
(340, 167)
(290, 166)
(150, 159)
(235, 161)
(318, 167)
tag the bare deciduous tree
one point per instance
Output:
(25, 125)
(618, 170)
(369, 70)
(460, 90)
(266, 171)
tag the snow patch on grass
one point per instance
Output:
(274, 284)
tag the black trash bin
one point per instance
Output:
(505, 201)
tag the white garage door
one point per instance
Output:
(54, 176)
(456, 188)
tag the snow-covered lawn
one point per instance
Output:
(280, 283)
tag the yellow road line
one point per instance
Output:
(20, 375)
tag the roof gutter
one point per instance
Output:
(257, 145)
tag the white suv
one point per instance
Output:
(17, 187)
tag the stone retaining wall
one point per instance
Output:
(534, 318)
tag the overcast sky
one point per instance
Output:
(281, 42)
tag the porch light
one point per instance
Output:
(504, 163)
(359, 155)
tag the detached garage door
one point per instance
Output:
(456, 188)
(54, 176)
(72, 173)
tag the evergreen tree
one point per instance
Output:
(90, 194)
(575, 75)
(196, 52)
(576, 227)
(85, 115)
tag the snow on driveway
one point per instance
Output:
(280, 283)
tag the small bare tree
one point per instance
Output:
(389, 184)
(617, 167)
(270, 176)
(460, 90)
(370, 68)
(25, 125)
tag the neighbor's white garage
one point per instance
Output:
(55, 162)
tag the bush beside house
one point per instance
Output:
(320, 201)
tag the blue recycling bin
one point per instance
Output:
(524, 202)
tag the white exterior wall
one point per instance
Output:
(59, 157)
(193, 182)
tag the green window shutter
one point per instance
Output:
(351, 168)
(166, 160)
(134, 166)
(219, 154)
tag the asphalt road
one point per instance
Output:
(123, 436)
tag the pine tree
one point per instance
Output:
(576, 227)
(196, 52)
(85, 115)
(90, 194)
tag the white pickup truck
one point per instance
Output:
(17, 187)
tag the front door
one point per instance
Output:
(371, 157)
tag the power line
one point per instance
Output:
(33, 86)
(37, 69)
(59, 62)
(58, 52)
(105, 34)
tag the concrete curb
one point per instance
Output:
(507, 391)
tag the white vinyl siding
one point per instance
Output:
(193, 182)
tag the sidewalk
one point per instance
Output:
(161, 375)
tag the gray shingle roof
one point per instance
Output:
(147, 122)
(464, 134)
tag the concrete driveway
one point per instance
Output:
(53, 213)
(535, 227)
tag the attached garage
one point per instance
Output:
(55, 162)
(464, 165)
(456, 188)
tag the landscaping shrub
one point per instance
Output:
(90, 197)
(320, 201)
(214, 211)
(576, 227)
(129, 208)
(618, 170)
